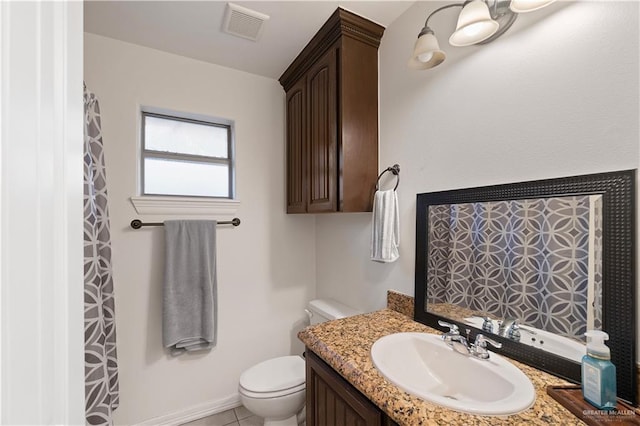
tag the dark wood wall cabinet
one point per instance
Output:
(332, 118)
(332, 401)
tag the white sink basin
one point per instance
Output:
(423, 365)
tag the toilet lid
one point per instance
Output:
(274, 374)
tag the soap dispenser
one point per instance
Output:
(598, 372)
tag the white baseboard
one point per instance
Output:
(194, 413)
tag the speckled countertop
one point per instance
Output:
(345, 345)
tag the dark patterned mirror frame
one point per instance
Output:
(618, 257)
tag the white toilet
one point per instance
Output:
(275, 389)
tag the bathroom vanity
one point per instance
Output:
(331, 400)
(343, 383)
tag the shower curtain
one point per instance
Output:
(101, 364)
(526, 259)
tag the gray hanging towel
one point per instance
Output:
(189, 299)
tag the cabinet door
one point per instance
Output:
(323, 149)
(332, 401)
(297, 180)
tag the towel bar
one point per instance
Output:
(137, 223)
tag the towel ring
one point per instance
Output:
(395, 170)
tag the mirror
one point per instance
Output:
(529, 270)
(534, 265)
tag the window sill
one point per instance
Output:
(184, 205)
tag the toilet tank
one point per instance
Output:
(321, 310)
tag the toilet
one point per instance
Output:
(275, 389)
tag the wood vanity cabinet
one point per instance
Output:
(332, 118)
(332, 401)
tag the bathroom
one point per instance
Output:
(557, 95)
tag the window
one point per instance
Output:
(186, 157)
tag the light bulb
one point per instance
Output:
(425, 57)
(474, 24)
(523, 6)
(472, 30)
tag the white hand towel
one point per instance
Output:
(385, 231)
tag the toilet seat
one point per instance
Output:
(274, 378)
(271, 395)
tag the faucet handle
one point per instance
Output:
(453, 329)
(482, 340)
(487, 325)
(514, 331)
(479, 348)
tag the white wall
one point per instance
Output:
(41, 281)
(557, 95)
(266, 266)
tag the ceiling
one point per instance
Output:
(194, 28)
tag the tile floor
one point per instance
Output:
(236, 417)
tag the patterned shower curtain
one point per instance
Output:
(526, 259)
(101, 365)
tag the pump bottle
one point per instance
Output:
(598, 372)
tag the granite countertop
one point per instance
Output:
(345, 345)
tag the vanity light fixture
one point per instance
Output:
(474, 24)
(479, 22)
(523, 6)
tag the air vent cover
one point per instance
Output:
(243, 22)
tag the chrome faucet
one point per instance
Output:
(453, 330)
(514, 333)
(479, 348)
(487, 325)
(461, 344)
(453, 338)
(509, 328)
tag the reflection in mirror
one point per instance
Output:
(519, 268)
(531, 336)
(536, 264)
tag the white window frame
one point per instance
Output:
(182, 204)
(190, 158)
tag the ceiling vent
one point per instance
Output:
(243, 22)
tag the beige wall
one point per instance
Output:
(266, 266)
(557, 95)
